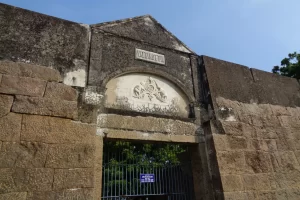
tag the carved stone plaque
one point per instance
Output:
(150, 56)
(146, 93)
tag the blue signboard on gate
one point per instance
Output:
(147, 178)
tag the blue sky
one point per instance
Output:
(255, 33)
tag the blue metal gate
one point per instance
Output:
(146, 171)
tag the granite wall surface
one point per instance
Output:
(45, 153)
(32, 37)
(253, 134)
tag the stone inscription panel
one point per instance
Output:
(150, 56)
(146, 93)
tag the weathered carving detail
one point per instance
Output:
(170, 109)
(150, 89)
(145, 93)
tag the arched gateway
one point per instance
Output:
(145, 163)
(147, 114)
(124, 110)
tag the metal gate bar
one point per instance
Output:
(124, 162)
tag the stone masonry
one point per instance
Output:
(258, 153)
(45, 153)
(242, 125)
(252, 136)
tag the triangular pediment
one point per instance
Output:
(144, 28)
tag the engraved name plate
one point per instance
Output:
(150, 56)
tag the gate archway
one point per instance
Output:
(152, 171)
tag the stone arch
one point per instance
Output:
(154, 71)
(147, 92)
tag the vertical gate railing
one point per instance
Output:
(125, 162)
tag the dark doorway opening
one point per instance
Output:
(141, 171)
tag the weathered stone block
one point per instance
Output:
(262, 195)
(23, 155)
(10, 127)
(263, 145)
(268, 120)
(231, 162)
(220, 142)
(235, 195)
(232, 183)
(272, 145)
(297, 154)
(60, 91)
(257, 182)
(287, 180)
(233, 128)
(45, 106)
(284, 161)
(36, 179)
(70, 156)
(266, 133)
(258, 162)
(20, 179)
(7, 183)
(293, 144)
(293, 194)
(150, 124)
(266, 195)
(279, 110)
(5, 104)
(284, 144)
(293, 111)
(281, 195)
(22, 85)
(237, 142)
(74, 194)
(14, 196)
(290, 121)
(138, 135)
(73, 178)
(249, 131)
(239, 129)
(29, 70)
(98, 163)
(56, 130)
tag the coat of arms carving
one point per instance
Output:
(149, 89)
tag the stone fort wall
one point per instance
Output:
(244, 125)
(253, 136)
(45, 152)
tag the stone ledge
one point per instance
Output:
(22, 86)
(137, 135)
(56, 130)
(45, 106)
(60, 91)
(29, 70)
(146, 124)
